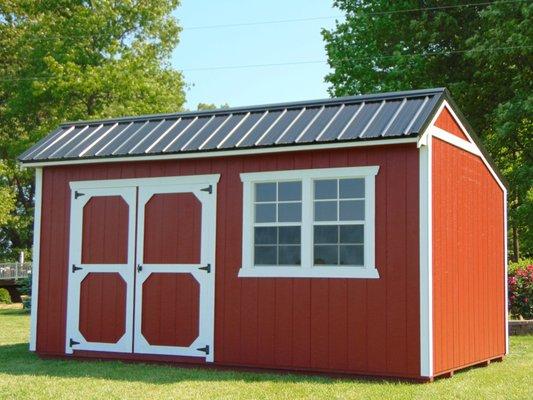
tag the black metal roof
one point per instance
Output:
(356, 118)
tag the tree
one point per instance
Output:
(76, 59)
(210, 106)
(482, 53)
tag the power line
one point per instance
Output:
(424, 54)
(246, 66)
(282, 21)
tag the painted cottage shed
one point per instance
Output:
(361, 235)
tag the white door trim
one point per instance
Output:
(75, 277)
(205, 279)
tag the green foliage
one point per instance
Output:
(69, 60)
(24, 285)
(5, 298)
(26, 303)
(520, 264)
(210, 106)
(521, 292)
(481, 53)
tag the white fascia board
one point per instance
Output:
(223, 153)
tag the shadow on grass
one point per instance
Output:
(15, 359)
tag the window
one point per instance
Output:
(278, 223)
(338, 227)
(309, 223)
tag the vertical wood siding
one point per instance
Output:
(344, 325)
(468, 260)
(446, 121)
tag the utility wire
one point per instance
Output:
(283, 21)
(227, 67)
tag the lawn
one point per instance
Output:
(24, 376)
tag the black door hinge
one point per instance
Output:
(207, 268)
(204, 349)
(74, 268)
(208, 189)
(78, 194)
(72, 342)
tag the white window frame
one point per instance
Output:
(307, 269)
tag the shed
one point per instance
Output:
(361, 235)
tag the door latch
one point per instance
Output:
(139, 268)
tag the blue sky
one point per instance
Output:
(255, 44)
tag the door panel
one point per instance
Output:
(105, 231)
(102, 307)
(170, 309)
(172, 229)
(101, 269)
(175, 281)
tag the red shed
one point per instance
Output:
(361, 235)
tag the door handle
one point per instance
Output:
(139, 268)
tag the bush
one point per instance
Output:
(521, 290)
(26, 303)
(25, 286)
(4, 296)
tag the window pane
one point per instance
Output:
(352, 210)
(266, 235)
(289, 234)
(352, 233)
(352, 255)
(325, 211)
(265, 213)
(289, 255)
(288, 191)
(326, 189)
(326, 255)
(290, 212)
(265, 192)
(326, 234)
(265, 255)
(352, 188)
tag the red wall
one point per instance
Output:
(468, 260)
(346, 325)
(446, 121)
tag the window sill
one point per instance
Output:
(314, 272)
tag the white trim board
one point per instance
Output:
(36, 257)
(157, 181)
(222, 153)
(426, 262)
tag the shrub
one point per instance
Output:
(25, 286)
(521, 291)
(4, 296)
(26, 303)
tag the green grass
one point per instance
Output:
(24, 376)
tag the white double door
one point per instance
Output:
(142, 266)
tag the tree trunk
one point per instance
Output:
(516, 247)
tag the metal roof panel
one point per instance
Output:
(386, 115)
